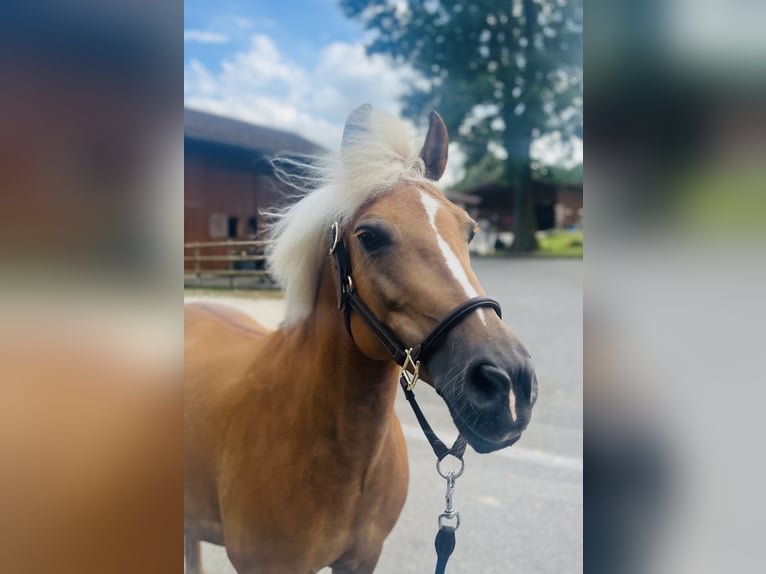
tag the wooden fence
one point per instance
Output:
(229, 260)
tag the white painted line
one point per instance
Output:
(517, 453)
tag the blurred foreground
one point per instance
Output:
(91, 455)
(675, 272)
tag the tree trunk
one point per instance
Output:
(518, 173)
(525, 219)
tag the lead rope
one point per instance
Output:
(445, 536)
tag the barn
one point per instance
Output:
(228, 181)
(556, 205)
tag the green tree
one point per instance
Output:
(501, 73)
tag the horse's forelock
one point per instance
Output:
(373, 160)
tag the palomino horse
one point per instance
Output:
(295, 459)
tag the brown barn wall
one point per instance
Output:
(571, 200)
(208, 189)
(193, 205)
(234, 191)
(497, 205)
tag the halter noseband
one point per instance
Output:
(408, 359)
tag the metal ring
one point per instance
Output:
(335, 231)
(349, 284)
(452, 472)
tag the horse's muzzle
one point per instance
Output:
(491, 400)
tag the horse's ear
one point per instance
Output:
(356, 124)
(434, 152)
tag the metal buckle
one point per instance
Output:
(335, 235)
(411, 377)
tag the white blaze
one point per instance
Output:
(453, 263)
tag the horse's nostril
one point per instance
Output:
(488, 384)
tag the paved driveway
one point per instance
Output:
(521, 508)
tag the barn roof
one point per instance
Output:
(489, 188)
(229, 132)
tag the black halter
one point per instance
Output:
(408, 359)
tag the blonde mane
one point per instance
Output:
(377, 154)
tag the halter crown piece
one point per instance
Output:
(409, 360)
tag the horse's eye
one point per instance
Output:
(371, 240)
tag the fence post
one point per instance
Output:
(230, 253)
(196, 260)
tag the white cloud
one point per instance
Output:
(205, 37)
(455, 171)
(552, 150)
(261, 85)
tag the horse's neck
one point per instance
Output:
(355, 393)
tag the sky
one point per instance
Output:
(296, 65)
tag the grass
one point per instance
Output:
(560, 244)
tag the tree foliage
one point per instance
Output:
(502, 73)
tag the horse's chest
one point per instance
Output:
(315, 513)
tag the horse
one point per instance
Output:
(294, 458)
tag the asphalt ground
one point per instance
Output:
(521, 508)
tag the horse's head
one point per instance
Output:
(408, 249)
